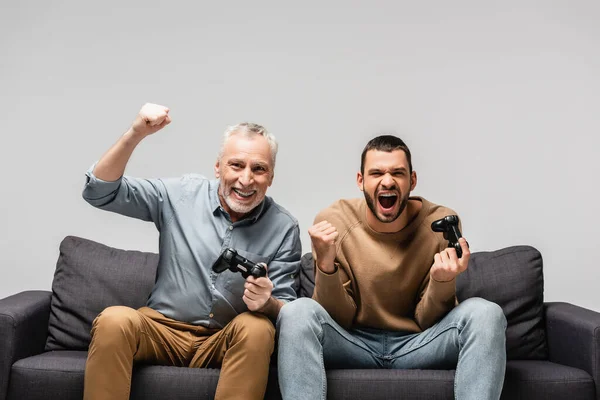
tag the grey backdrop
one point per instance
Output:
(499, 102)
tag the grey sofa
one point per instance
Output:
(553, 348)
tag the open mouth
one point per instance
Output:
(387, 201)
(243, 194)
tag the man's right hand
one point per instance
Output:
(150, 119)
(323, 237)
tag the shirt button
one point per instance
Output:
(211, 315)
(230, 227)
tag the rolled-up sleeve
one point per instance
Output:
(98, 192)
(286, 265)
(137, 198)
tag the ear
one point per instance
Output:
(359, 181)
(217, 165)
(413, 180)
(271, 179)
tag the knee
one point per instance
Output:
(485, 314)
(298, 312)
(254, 328)
(114, 320)
(298, 320)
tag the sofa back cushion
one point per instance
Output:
(89, 277)
(306, 276)
(510, 277)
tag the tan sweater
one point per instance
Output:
(382, 279)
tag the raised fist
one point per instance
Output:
(322, 236)
(150, 119)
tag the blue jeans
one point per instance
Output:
(470, 338)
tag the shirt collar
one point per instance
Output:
(215, 203)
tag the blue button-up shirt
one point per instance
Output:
(194, 230)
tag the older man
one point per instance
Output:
(195, 317)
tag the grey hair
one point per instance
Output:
(249, 129)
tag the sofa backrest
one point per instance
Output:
(511, 277)
(90, 276)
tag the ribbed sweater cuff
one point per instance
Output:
(329, 282)
(442, 291)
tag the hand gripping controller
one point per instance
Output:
(230, 259)
(449, 225)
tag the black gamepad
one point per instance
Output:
(449, 225)
(230, 259)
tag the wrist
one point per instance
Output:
(442, 280)
(133, 137)
(271, 307)
(266, 304)
(326, 267)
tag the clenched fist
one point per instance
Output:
(446, 264)
(150, 119)
(322, 236)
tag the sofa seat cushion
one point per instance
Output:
(524, 380)
(51, 375)
(60, 375)
(546, 380)
(385, 384)
(160, 382)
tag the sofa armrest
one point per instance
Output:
(23, 329)
(573, 335)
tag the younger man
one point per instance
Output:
(385, 291)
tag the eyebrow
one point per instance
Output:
(252, 162)
(401, 169)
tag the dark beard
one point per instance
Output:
(371, 205)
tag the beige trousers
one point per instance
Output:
(122, 336)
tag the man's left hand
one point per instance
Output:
(447, 265)
(257, 293)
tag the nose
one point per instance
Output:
(246, 178)
(387, 181)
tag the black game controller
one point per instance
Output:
(230, 259)
(449, 225)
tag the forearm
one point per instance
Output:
(111, 165)
(332, 295)
(439, 298)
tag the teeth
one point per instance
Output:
(244, 194)
(388, 195)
